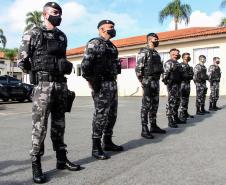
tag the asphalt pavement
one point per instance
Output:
(193, 154)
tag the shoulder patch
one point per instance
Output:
(26, 37)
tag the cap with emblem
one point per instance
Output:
(104, 22)
(54, 5)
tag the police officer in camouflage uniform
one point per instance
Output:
(214, 73)
(187, 76)
(200, 77)
(172, 78)
(43, 54)
(100, 67)
(148, 70)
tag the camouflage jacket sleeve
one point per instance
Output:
(211, 72)
(166, 73)
(140, 64)
(28, 43)
(93, 48)
(196, 73)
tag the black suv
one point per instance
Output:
(14, 89)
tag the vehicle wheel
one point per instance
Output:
(20, 100)
(30, 97)
(5, 99)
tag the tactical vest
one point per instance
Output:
(49, 50)
(216, 73)
(106, 61)
(175, 72)
(188, 73)
(201, 75)
(152, 65)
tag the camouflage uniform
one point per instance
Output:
(200, 77)
(172, 78)
(185, 88)
(148, 70)
(100, 67)
(214, 79)
(48, 95)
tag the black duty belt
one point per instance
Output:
(185, 81)
(152, 77)
(45, 76)
(107, 78)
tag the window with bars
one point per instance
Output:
(164, 56)
(209, 52)
(79, 71)
(128, 62)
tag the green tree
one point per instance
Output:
(2, 38)
(176, 10)
(33, 19)
(223, 22)
(11, 55)
(223, 4)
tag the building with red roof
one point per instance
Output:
(209, 41)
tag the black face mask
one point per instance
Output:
(156, 44)
(55, 20)
(112, 33)
(178, 56)
(189, 59)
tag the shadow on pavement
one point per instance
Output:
(132, 144)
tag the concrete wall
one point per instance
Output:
(127, 81)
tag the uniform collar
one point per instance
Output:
(43, 26)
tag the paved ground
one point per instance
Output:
(194, 154)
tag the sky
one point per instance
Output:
(80, 17)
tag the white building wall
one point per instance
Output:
(129, 85)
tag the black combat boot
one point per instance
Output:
(211, 106)
(108, 145)
(171, 123)
(178, 121)
(198, 111)
(38, 176)
(64, 163)
(145, 133)
(183, 116)
(203, 110)
(188, 115)
(97, 150)
(215, 107)
(155, 128)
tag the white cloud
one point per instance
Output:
(201, 19)
(72, 11)
(78, 22)
(18, 10)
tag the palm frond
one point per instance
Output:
(223, 4)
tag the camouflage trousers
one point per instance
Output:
(184, 98)
(150, 101)
(48, 97)
(173, 100)
(106, 105)
(201, 91)
(214, 91)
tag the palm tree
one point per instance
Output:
(2, 38)
(11, 55)
(176, 10)
(33, 19)
(223, 4)
(223, 22)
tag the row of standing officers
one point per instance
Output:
(42, 54)
(176, 76)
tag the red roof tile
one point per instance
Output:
(163, 36)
